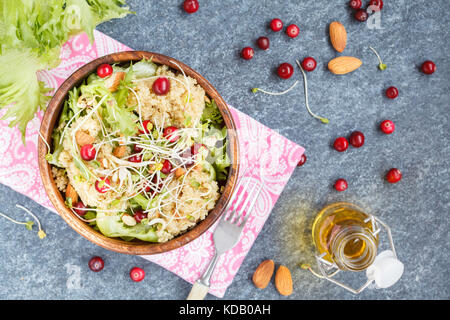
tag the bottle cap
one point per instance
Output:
(386, 270)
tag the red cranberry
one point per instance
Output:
(170, 134)
(247, 53)
(285, 70)
(376, 3)
(394, 175)
(361, 15)
(88, 152)
(428, 67)
(104, 70)
(145, 123)
(139, 216)
(302, 160)
(309, 64)
(392, 92)
(196, 147)
(276, 25)
(96, 264)
(341, 185)
(357, 139)
(137, 274)
(387, 126)
(340, 144)
(355, 4)
(161, 86)
(135, 158)
(263, 43)
(167, 167)
(190, 6)
(79, 208)
(292, 31)
(137, 149)
(103, 185)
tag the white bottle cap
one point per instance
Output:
(386, 270)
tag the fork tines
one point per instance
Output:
(245, 202)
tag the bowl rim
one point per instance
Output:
(51, 115)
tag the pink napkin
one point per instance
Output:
(271, 157)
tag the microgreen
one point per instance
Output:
(381, 65)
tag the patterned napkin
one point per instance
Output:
(270, 156)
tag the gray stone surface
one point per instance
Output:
(417, 208)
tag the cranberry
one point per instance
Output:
(392, 92)
(355, 4)
(170, 134)
(79, 208)
(361, 15)
(276, 25)
(139, 216)
(263, 43)
(357, 139)
(302, 160)
(135, 158)
(387, 126)
(137, 274)
(340, 144)
(96, 264)
(376, 3)
(309, 64)
(292, 31)
(103, 185)
(341, 185)
(88, 152)
(145, 123)
(285, 70)
(247, 53)
(428, 67)
(161, 86)
(167, 167)
(104, 70)
(394, 175)
(196, 147)
(190, 6)
(137, 149)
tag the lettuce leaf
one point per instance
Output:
(31, 35)
(112, 226)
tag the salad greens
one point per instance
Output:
(31, 35)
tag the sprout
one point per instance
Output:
(305, 82)
(381, 66)
(254, 90)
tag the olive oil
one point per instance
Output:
(344, 234)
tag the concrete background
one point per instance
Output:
(417, 208)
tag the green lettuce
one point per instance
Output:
(112, 226)
(31, 35)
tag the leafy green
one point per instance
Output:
(31, 35)
(211, 114)
(112, 226)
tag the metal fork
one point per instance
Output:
(228, 231)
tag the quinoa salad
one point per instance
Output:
(140, 152)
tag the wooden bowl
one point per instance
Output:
(116, 244)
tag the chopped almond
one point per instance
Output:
(119, 151)
(179, 172)
(112, 83)
(83, 138)
(71, 193)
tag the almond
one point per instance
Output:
(128, 220)
(112, 83)
(263, 274)
(338, 36)
(343, 65)
(179, 172)
(71, 193)
(83, 138)
(283, 281)
(119, 151)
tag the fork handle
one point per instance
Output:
(198, 291)
(201, 286)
